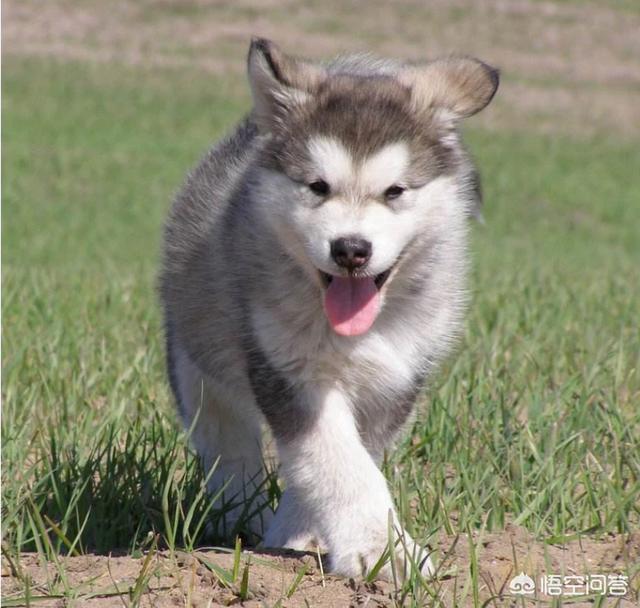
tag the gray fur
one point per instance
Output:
(277, 398)
(242, 301)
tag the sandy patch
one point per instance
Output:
(190, 580)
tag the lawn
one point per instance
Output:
(533, 426)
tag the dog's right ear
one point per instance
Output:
(278, 82)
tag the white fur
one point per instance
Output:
(388, 227)
(392, 359)
(355, 207)
(292, 527)
(384, 168)
(331, 161)
(339, 489)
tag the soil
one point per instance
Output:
(185, 579)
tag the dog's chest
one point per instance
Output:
(369, 364)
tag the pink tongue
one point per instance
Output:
(351, 305)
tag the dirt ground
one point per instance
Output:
(186, 579)
(568, 67)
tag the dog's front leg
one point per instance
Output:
(338, 487)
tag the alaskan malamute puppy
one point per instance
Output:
(314, 275)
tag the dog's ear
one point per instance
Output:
(278, 82)
(459, 86)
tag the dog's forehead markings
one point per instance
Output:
(334, 163)
(331, 160)
(385, 167)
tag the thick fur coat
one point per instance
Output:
(314, 274)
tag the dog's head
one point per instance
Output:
(363, 162)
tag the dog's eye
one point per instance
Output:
(393, 191)
(319, 187)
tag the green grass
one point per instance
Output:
(536, 421)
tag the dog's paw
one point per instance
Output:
(291, 527)
(372, 554)
(299, 540)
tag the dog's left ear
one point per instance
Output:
(278, 82)
(460, 86)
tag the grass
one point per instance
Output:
(536, 421)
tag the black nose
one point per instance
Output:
(350, 253)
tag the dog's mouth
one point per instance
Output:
(352, 303)
(379, 279)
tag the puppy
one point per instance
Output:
(314, 274)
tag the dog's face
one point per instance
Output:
(363, 162)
